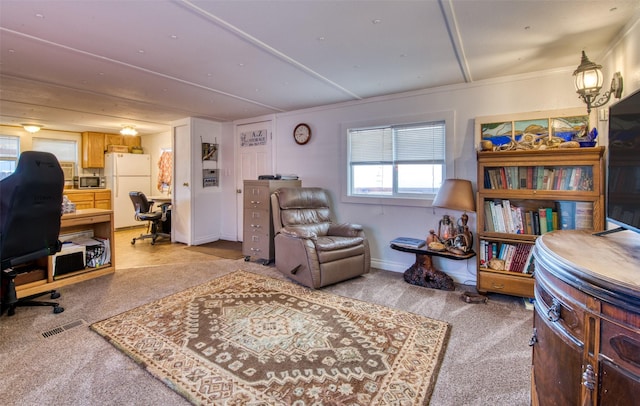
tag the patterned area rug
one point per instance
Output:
(249, 339)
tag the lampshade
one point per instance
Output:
(455, 194)
(31, 128)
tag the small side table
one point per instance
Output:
(423, 273)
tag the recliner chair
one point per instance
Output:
(310, 248)
(143, 212)
(30, 212)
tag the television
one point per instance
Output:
(623, 164)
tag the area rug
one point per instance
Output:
(220, 248)
(247, 339)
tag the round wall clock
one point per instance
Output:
(302, 133)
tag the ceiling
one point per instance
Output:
(99, 65)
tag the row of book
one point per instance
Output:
(517, 257)
(503, 217)
(539, 178)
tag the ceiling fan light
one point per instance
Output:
(128, 130)
(31, 128)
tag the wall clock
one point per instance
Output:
(302, 133)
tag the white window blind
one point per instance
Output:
(64, 150)
(403, 160)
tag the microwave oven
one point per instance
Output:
(89, 182)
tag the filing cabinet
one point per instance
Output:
(257, 235)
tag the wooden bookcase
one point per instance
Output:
(568, 181)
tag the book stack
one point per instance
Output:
(517, 257)
(538, 178)
(408, 242)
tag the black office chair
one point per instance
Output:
(30, 211)
(155, 219)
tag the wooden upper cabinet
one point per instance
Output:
(131, 141)
(113, 139)
(93, 150)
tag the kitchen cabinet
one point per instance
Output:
(93, 150)
(90, 199)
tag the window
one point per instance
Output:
(397, 161)
(9, 150)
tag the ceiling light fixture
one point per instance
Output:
(128, 130)
(588, 81)
(32, 128)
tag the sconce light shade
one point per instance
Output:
(31, 128)
(588, 81)
(455, 194)
(128, 130)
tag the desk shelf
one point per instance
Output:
(97, 220)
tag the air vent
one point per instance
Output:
(62, 329)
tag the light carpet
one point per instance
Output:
(245, 338)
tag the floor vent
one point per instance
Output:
(62, 329)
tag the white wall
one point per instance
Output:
(318, 162)
(153, 144)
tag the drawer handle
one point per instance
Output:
(255, 202)
(554, 311)
(256, 249)
(256, 225)
(500, 286)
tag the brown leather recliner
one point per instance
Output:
(310, 248)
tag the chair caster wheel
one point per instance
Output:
(247, 259)
(55, 295)
(133, 242)
(58, 309)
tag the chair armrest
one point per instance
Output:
(298, 232)
(345, 230)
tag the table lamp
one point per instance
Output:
(457, 194)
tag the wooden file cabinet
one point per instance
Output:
(257, 233)
(586, 341)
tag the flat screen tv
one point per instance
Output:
(623, 175)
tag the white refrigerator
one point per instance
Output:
(126, 173)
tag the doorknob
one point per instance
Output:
(186, 184)
(238, 190)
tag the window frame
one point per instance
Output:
(399, 200)
(9, 158)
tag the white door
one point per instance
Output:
(181, 208)
(253, 143)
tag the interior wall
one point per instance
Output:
(318, 162)
(153, 144)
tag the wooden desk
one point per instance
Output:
(98, 220)
(423, 273)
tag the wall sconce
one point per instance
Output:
(31, 128)
(588, 81)
(128, 130)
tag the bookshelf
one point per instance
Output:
(526, 193)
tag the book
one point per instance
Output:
(542, 216)
(584, 216)
(567, 215)
(488, 217)
(549, 217)
(408, 242)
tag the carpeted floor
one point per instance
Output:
(220, 248)
(487, 359)
(244, 338)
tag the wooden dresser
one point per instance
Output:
(586, 340)
(257, 233)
